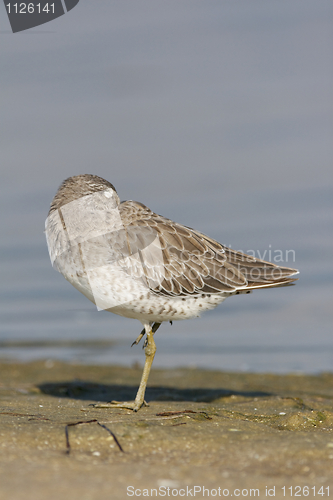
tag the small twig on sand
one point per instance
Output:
(68, 446)
(113, 435)
(181, 412)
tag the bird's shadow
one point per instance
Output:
(90, 391)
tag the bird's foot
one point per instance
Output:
(129, 405)
(154, 329)
(137, 340)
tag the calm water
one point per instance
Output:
(287, 329)
(216, 115)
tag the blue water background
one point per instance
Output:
(215, 114)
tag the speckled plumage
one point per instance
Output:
(195, 273)
(135, 263)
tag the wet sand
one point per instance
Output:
(226, 432)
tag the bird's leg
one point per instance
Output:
(150, 351)
(137, 340)
(140, 396)
(154, 328)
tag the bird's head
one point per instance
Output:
(75, 187)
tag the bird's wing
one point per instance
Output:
(179, 261)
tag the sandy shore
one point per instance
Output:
(227, 432)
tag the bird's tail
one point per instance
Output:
(260, 273)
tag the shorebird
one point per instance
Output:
(130, 261)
